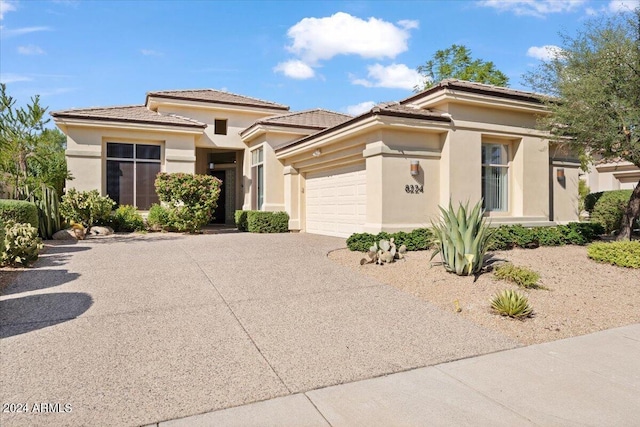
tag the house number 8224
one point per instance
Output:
(414, 189)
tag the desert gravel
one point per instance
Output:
(583, 297)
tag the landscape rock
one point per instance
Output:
(67, 234)
(98, 230)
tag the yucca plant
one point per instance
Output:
(511, 303)
(462, 239)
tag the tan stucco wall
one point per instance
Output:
(236, 122)
(86, 154)
(613, 176)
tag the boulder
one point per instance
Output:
(98, 230)
(67, 234)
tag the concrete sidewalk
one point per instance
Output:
(592, 380)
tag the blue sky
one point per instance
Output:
(342, 56)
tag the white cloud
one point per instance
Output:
(20, 31)
(623, 5)
(397, 76)
(30, 50)
(357, 109)
(6, 6)
(315, 39)
(409, 24)
(538, 8)
(150, 52)
(543, 53)
(295, 69)
(13, 78)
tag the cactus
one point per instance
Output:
(48, 210)
(384, 252)
(462, 239)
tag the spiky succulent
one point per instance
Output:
(511, 303)
(462, 239)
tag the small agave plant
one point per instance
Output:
(512, 304)
(462, 239)
(384, 252)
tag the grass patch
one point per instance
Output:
(521, 276)
(622, 254)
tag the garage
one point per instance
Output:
(336, 201)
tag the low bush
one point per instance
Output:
(158, 218)
(190, 199)
(2, 234)
(88, 208)
(575, 233)
(127, 218)
(241, 220)
(19, 211)
(417, 240)
(21, 244)
(521, 276)
(512, 304)
(609, 209)
(590, 201)
(267, 222)
(622, 254)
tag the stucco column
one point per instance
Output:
(292, 197)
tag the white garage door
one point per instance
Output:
(336, 201)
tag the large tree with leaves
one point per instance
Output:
(456, 62)
(593, 83)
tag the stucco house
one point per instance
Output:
(387, 169)
(612, 175)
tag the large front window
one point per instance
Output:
(495, 173)
(257, 173)
(131, 173)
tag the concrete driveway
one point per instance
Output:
(130, 330)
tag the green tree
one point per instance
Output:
(456, 62)
(593, 83)
(30, 155)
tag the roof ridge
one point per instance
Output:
(296, 113)
(176, 91)
(110, 107)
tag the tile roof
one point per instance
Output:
(315, 119)
(216, 97)
(481, 88)
(128, 113)
(384, 109)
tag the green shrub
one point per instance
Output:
(19, 211)
(575, 233)
(462, 239)
(2, 234)
(21, 244)
(191, 199)
(241, 220)
(267, 222)
(590, 201)
(549, 236)
(623, 254)
(158, 218)
(46, 200)
(512, 304)
(609, 209)
(521, 276)
(417, 240)
(583, 192)
(361, 242)
(88, 208)
(126, 218)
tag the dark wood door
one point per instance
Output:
(219, 213)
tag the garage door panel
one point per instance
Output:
(336, 201)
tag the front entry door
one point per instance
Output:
(219, 213)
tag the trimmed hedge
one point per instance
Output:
(267, 222)
(417, 240)
(241, 220)
(575, 233)
(609, 209)
(19, 211)
(622, 254)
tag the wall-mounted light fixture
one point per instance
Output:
(317, 153)
(211, 166)
(415, 167)
(560, 174)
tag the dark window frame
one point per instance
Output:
(220, 126)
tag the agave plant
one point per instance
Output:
(511, 303)
(462, 239)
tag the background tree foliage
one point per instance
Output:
(593, 84)
(30, 154)
(456, 62)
